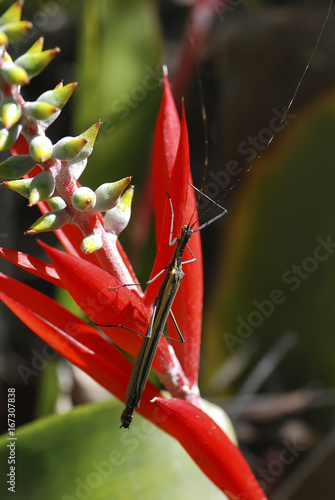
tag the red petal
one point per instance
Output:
(210, 448)
(165, 149)
(187, 307)
(86, 348)
(81, 344)
(178, 190)
(89, 287)
(21, 146)
(33, 266)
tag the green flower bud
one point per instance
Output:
(16, 31)
(118, 217)
(16, 166)
(83, 142)
(83, 199)
(12, 14)
(59, 96)
(35, 63)
(39, 110)
(49, 222)
(21, 186)
(56, 203)
(40, 148)
(10, 112)
(13, 74)
(91, 243)
(8, 137)
(41, 188)
(109, 193)
(89, 136)
(68, 148)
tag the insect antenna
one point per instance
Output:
(206, 146)
(274, 134)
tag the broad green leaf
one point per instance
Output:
(84, 455)
(278, 267)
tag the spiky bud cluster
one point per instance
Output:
(61, 164)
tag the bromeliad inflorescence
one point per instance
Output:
(51, 171)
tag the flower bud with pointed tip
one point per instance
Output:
(50, 221)
(39, 110)
(21, 186)
(16, 166)
(109, 193)
(41, 188)
(91, 243)
(118, 217)
(8, 137)
(68, 148)
(58, 98)
(12, 14)
(89, 136)
(40, 148)
(37, 46)
(56, 203)
(59, 95)
(83, 199)
(13, 74)
(10, 112)
(16, 31)
(34, 63)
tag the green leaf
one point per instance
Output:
(119, 78)
(278, 271)
(48, 390)
(83, 454)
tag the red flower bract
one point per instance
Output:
(94, 290)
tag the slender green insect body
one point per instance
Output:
(161, 309)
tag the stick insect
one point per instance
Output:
(161, 309)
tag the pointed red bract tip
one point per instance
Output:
(210, 448)
(178, 192)
(165, 148)
(92, 289)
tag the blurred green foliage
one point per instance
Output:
(119, 72)
(84, 454)
(279, 250)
